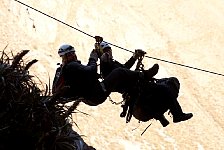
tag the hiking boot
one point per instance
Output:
(151, 72)
(182, 117)
(163, 121)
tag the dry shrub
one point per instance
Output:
(30, 118)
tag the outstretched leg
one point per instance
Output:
(163, 120)
(177, 112)
(172, 103)
(121, 79)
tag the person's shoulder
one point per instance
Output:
(72, 64)
(115, 62)
(59, 66)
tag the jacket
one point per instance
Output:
(80, 78)
(107, 67)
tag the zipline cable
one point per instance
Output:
(186, 66)
(54, 18)
(119, 46)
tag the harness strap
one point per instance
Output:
(103, 86)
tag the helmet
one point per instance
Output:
(104, 45)
(64, 49)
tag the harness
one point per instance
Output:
(130, 99)
(58, 82)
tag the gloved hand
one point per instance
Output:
(98, 39)
(138, 53)
(93, 55)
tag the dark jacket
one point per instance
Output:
(81, 78)
(107, 67)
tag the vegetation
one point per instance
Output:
(31, 118)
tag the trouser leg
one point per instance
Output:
(97, 96)
(121, 79)
(175, 107)
(170, 100)
(163, 120)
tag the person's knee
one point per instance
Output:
(120, 71)
(94, 102)
(100, 101)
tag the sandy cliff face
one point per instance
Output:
(186, 32)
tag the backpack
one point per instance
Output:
(59, 81)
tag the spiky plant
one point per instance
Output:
(30, 118)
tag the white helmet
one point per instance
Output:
(64, 49)
(104, 45)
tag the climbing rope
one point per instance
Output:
(203, 70)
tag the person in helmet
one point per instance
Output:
(82, 80)
(68, 51)
(108, 63)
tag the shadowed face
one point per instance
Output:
(68, 57)
(107, 55)
(108, 50)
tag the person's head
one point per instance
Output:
(104, 47)
(106, 52)
(67, 53)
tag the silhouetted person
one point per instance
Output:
(108, 64)
(83, 80)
